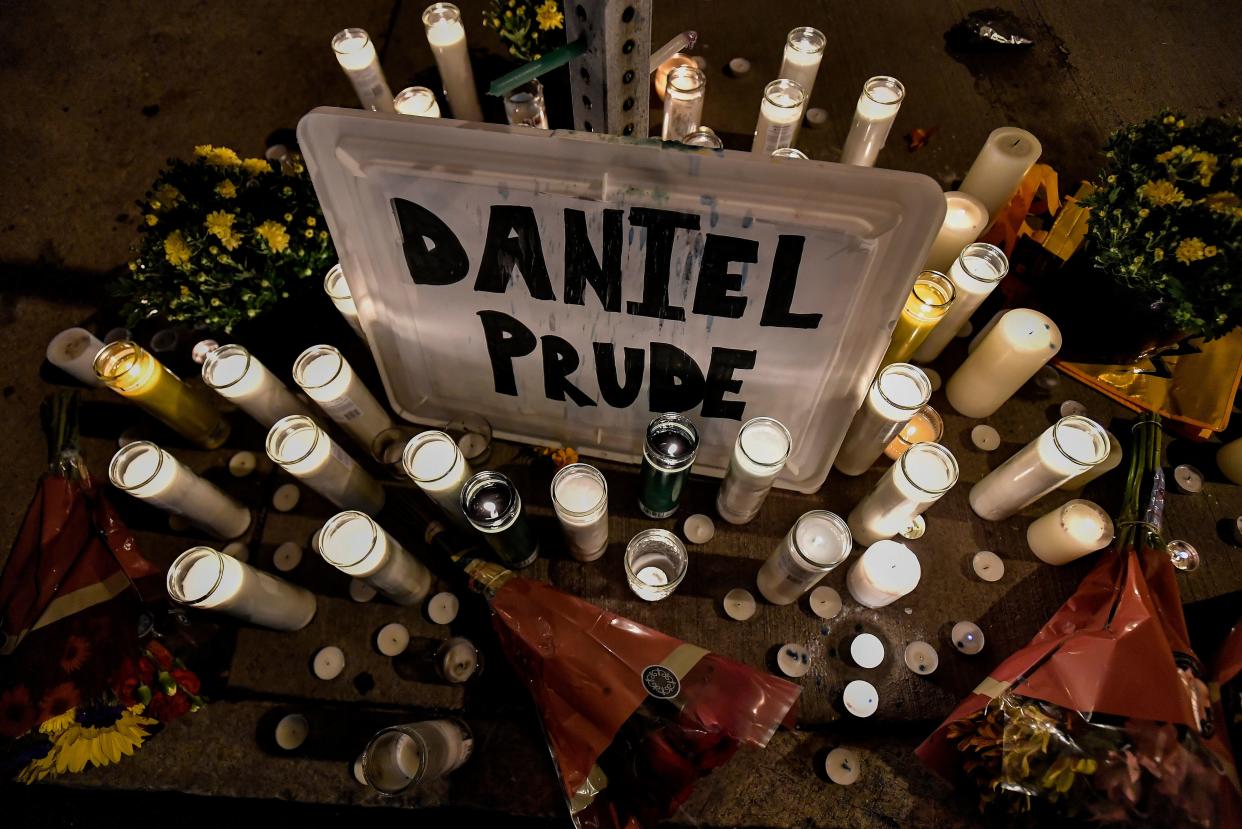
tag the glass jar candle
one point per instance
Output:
(813, 547)
(353, 543)
(330, 381)
(916, 481)
(926, 426)
(399, 758)
(965, 217)
(580, 499)
(1069, 532)
(525, 107)
(447, 37)
(417, 100)
(655, 563)
(780, 113)
(705, 137)
(147, 472)
(357, 57)
(234, 374)
(669, 450)
(759, 454)
(306, 452)
(885, 572)
(975, 274)
(130, 371)
(1115, 456)
(337, 289)
(207, 579)
(435, 463)
(492, 505)
(804, 51)
(896, 394)
(683, 102)
(932, 296)
(873, 118)
(1067, 448)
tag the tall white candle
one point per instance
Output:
(965, 218)
(1067, 448)
(1229, 460)
(1019, 343)
(779, 115)
(417, 100)
(977, 271)
(206, 578)
(1005, 159)
(337, 289)
(235, 374)
(580, 499)
(146, 471)
(886, 571)
(73, 351)
(306, 452)
(435, 463)
(447, 37)
(328, 379)
(804, 51)
(896, 394)
(683, 102)
(1115, 455)
(353, 543)
(873, 118)
(759, 455)
(1069, 532)
(818, 541)
(918, 479)
(356, 54)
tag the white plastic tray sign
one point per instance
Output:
(570, 289)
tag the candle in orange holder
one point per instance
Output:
(925, 426)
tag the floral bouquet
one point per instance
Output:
(527, 27)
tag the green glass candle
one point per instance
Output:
(668, 453)
(493, 506)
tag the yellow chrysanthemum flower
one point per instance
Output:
(220, 225)
(168, 194)
(1169, 119)
(1161, 193)
(151, 219)
(549, 16)
(1192, 250)
(310, 220)
(227, 189)
(176, 251)
(133, 266)
(1207, 166)
(274, 234)
(185, 290)
(1158, 254)
(288, 217)
(255, 166)
(217, 156)
(309, 234)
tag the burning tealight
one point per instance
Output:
(699, 528)
(921, 658)
(825, 602)
(860, 698)
(242, 464)
(287, 556)
(329, 662)
(292, 731)
(985, 438)
(793, 660)
(867, 650)
(360, 591)
(988, 566)
(1073, 407)
(392, 639)
(739, 604)
(286, 497)
(1183, 555)
(442, 609)
(967, 637)
(237, 550)
(842, 766)
(1187, 479)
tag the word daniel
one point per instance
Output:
(435, 256)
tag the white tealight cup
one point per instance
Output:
(739, 604)
(329, 662)
(825, 602)
(442, 609)
(867, 650)
(967, 638)
(861, 698)
(843, 766)
(988, 566)
(921, 658)
(292, 731)
(392, 639)
(793, 660)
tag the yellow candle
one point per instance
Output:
(929, 301)
(131, 371)
(925, 427)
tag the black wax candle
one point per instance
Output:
(668, 453)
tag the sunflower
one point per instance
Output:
(17, 712)
(58, 700)
(100, 736)
(77, 651)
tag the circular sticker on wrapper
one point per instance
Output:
(660, 682)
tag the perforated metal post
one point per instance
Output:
(610, 82)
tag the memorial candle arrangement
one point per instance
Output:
(997, 172)
(353, 543)
(1069, 532)
(896, 394)
(337, 289)
(759, 454)
(305, 451)
(447, 37)
(1067, 448)
(683, 102)
(357, 56)
(73, 351)
(580, 500)
(965, 217)
(1008, 354)
(417, 100)
(813, 547)
(401, 757)
(930, 299)
(873, 118)
(207, 579)
(131, 371)
(784, 101)
(669, 449)
(804, 51)
(916, 481)
(975, 274)
(886, 571)
(146, 471)
(492, 505)
(436, 465)
(234, 374)
(330, 381)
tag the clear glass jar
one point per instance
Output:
(705, 137)
(816, 544)
(975, 274)
(328, 379)
(930, 299)
(926, 426)
(435, 463)
(307, 453)
(916, 481)
(655, 563)
(492, 505)
(873, 118)
(669, 449)
(358, 59)
(895, 396)
(759, 454)
(417, 100)
(580, 500)
(353, 543)
(234, 374)
(683, 102)
(206, 578)
(780, 113)
(525, 107)
(337, 289)
(804, 51)
(399, 758)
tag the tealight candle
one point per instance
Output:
(580, 500)
(329, 662)
(816, 544)
(779, 115)
(896, 394)
(964, 219)
(234, 374)
(867, 650)
(286, 497)
(292, 731)
(330, 381)
(873, 118)
(1229, 460)
(287, 556)
(146, 471)
(683, 102)
(205, 578)
(401, 757)
(242, 464)
(492, 505)
(655, 563)
(997, 172)
(1072, 407)
(739, 604)
(988, 566)
(1115, 455)
(73, 351)
(457, 660)
(1187, 479)
(361, 592)
(392, 639)
(357, 56)
(698, 528)
(985, 438)
(337, 289)
(360, 772)
(804, 51)
(793, 660)
(860, 698)
(885, 572)
(825, 602)
(1069, 532)
(843, 766)
(442, 609)
(930, 299)
(916, 481)
(1007, 355)
(417, 100)
(926, 426)
(975, 274)
(967, 638)
(759, 455)
(353, 543)
(921, 658)
(435, 463)
(669, 449)
(305, 451)
(1183, 555)
(1067, 448)
(447, 37)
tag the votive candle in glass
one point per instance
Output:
(965, 217)
(1115, 455)
(896, 394)
(669, 449)
(683, 102)
(655, 563)
(1069, 532)
(997, 172)
(804, 51)
(705, 137)
(306, 452)
(330, 381)
(146, 471)
(1020, 343)
(1067, 448)
(978, 270)
(817, 542)
(237, 376)
(73, 351)
(357, 56)
(932, 296)
(885, 572)
(492, 505)
(399, 758)
(926, 426)
(916, 481)
(417, 100)
(435, 463)
(780, 113)
(337, 289)
(580, 499)
(873, 118)
(447, 37)
(353, 543)
(205, 578)
(130, 371)
(759, 454)
(525, 106)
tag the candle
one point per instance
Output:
(1115, 454)
(234, 374)
(886, 571)
(417, 100)
(287, 556)
(804, 51)
(448, 44)
(985, 438)
(146, 471)
(759, 455)
(860, 698)
(655, 563)
(739, 604)
(328, 379)
(703, 137)
(401, 757)
(1183, 555)
(1069, 532)
(435, 463)
(669, 450)
(1007, 355)
(660, 76)
(818, 541)
(873, 118)
(825, 602)
(1005, 159)
(932, 296)
(353, 543)
(867, 650)
(525, 107)
(442, 609)
(1187, 480)
(793, 660)
(356, 54)
(965, 218)
(337, 289)
(790, 152)
(967, 638)
(492, 505)
(1067, 448)
(698, 528)
(131, 371)
(683, 103)
(205, 578)
(842, 766)
(457, 660)
(975, 273)
(925, 427)
(73, 351)
(306, 452)
(1229, 460)
(896, 394)
(286, 497)
(580, 500)
(292, 731)
(916, 481)
(329, 662)
(392, 639)
(921, 658)
(779, 115)
(360, 591)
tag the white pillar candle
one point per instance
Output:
(918, 479)
(885, 572)
(867, 650)
(1012, 350)
(330, 381)
(1069, 532)
(447, 37)
(965, 218)
(206, 578)
(337, 289)
(759, 455)
(417, 100)
(356, 54)
(146, 471)
(779, 115)
(580, 499)
(1067, 448)
(353, 543)
(818, 541)
(1005, 159)
(234, 374)
(804, 51)
(683, 103)
(1115, 455)
(897, 392)
(975, 274)
(306, 452)
(73, 351)
(1229, 460)
(435, 463)
(873, 118)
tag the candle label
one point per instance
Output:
(660, 682)
(342, 456)
(342, 409)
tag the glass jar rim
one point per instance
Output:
(1108, 529)
(676, 420)
(916, 374)
(994, 255)
(1087, 425)
(333, 279)
(352, 33)
(216, 354)
(792, 88)
(395, 732)
(123, 456)
(440, 11)
(118, 356)
(939, 279)
(182, 562)
(683, 559)
(884, 82)
(838, 524)
(806, 39)
(304, 360)
(485, 478)
(285, 427)
(942, 453)
(689, 73)
(335, 523)
(766, 421)
(586, 469)
(418, 442)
